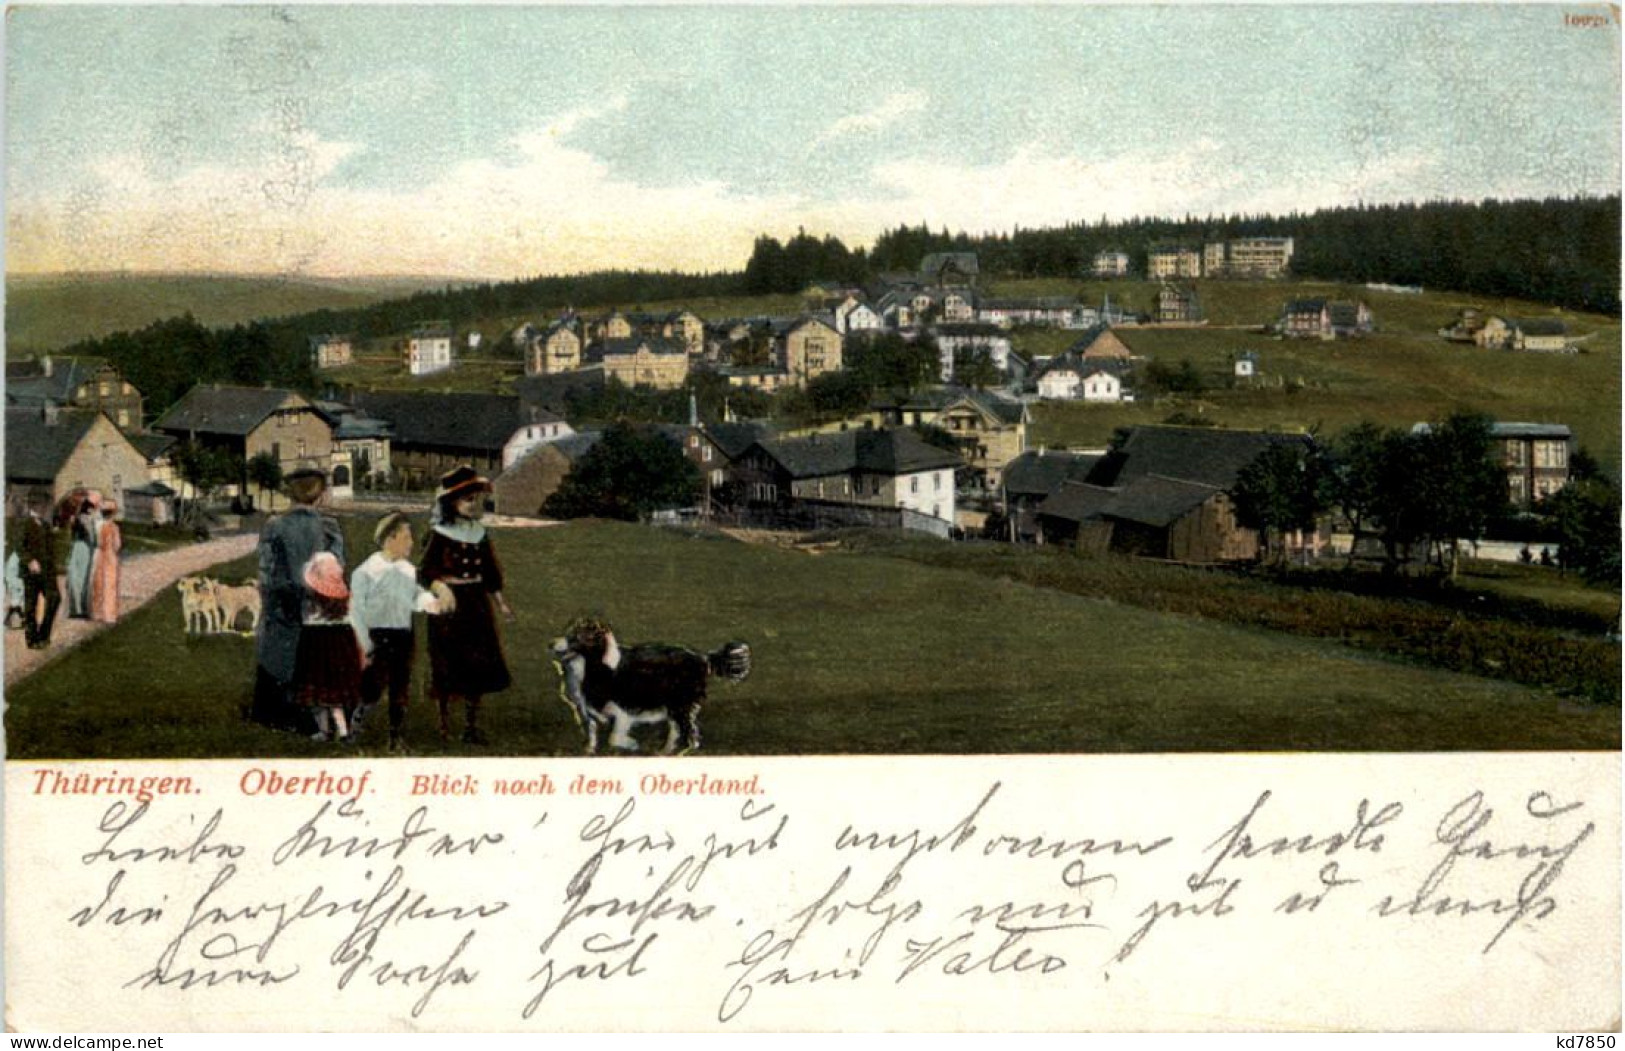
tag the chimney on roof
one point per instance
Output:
(45, 366)
(50, 413)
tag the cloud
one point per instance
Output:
(541, 206)
(893, 109)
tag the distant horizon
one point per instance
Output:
(472, 143)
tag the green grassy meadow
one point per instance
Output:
(853, 653)
(1402, 374)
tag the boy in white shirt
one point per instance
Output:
(384, 593)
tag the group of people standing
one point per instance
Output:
(330, 652)
(33, 595)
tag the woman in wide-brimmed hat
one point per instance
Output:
(465, 649)
(327, 672)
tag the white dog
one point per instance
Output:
(230, 601)
(200, 609)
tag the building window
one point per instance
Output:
(1516, 454)
(914, 484)
(937, 478)
(1551, 454)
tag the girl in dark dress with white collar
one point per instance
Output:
(465, 648)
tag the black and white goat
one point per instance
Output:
(608, 685)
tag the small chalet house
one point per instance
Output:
(809, 348)
(1075, 377)
(1165, 493)
(1325, 319)
(1548, 335)
(990, 430)
(248, 421)
(1034, 477)
(883, 469)
(955, 338)
(365, 438)
(1178, 304)
(53, 451)
(554, 349)
(950, 269)
(646, 361)
(428, 350)
(434, 433)
(78, 382)
(854, 315)
(330, 352)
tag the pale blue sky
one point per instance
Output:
(494, 141)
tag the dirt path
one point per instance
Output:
(141, 579)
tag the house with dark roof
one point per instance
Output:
(525, 485)
(555, 349)
(891, 469)
(53, 451)
(990, 429)
(435, 432)
(248, 421)
(365, 438)
(1545, 335)
(80, 382)
(1038, 312)
(1535, 456)
(1077, 377)
(1034, 477)
(552, 393)
(1164, 493)
(1325, 319)
(644, 361)
(950, 269)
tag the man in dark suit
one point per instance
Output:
(37, 553)
(287, 543)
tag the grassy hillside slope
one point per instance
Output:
(45, 313)
(853, 654)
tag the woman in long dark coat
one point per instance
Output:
(287, 544)
(465, 648)
(86, 524)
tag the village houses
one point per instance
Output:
(52, 450)
(247, 422)
(78, 382)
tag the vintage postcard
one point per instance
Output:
(761, 518)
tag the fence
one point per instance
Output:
(806, 516)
